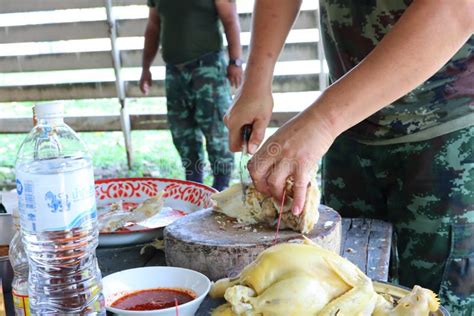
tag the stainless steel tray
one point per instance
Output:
(6, 235)
(6, 229)
(397, 292)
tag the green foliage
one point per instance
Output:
(154, 155)
(153, 151)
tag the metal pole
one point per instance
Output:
(119, 84)
(323, 80)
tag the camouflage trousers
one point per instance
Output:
(426, 189)
(198, 95)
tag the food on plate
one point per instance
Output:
(118, 218)
(158, 244)
(259, 208)
(3, 251)
(152, 299)
(305, 279)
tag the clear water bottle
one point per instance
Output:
(19, 262)
(56, 199)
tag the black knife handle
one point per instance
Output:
(246, 132)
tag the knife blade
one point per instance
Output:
(244, 158)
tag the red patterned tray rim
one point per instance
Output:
(187, 182)
(163, 180)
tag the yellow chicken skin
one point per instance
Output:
(224, 310)
(305, 279)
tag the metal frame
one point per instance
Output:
(119, 83)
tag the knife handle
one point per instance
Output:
(246, 131)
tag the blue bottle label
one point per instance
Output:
(56, 201)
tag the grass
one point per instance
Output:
(154, 155)
(88, 107)
(153, 152)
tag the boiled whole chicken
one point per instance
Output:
(291, 279)
(259, 208)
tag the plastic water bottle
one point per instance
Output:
(56, 199)
(19, 262)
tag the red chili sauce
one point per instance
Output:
(151, 299)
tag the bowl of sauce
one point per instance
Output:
(155, 291)
(152, 299)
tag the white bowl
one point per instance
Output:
(121, 283)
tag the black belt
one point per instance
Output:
(205, 59)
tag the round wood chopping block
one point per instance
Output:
(218, 246)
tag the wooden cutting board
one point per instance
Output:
(218, 246)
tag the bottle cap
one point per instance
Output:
(49, 110)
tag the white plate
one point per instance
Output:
(130, 238)
(124, 282)
(180, 198)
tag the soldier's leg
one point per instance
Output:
(350, 182)
(432, 207)
(212, 99)
(187, 136)
(355, 183)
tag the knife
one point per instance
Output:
(244, 158)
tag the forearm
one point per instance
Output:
(232, 33)
(272, 21)
(152, 40)
(427, 35)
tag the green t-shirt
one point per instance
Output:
(442, 104)
(189, 29)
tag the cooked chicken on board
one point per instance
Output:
(259, 208)
(292, 279)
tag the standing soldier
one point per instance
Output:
(197, 77)
(397, 124)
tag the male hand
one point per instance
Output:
(293, 151)
(249, 107)
(145, 81)
(234, 74)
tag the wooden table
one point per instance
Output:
(365, 242)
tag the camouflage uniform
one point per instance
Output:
(433, 219)
(197, 91)
(411, 163)
(198, 95)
